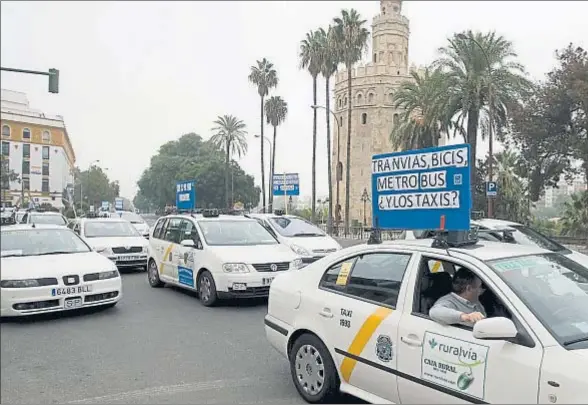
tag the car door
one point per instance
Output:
(188, 256)
(357, 300)
(171, 254)
(446, 364)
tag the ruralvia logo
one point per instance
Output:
(432, 343)
(457, 351)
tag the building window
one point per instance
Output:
(339, 171)
(46, 136)
(5, 148)
(26, 167)
(391, 97)
(371, 97)
(45, 152)
(5, 130)
(26, 150)
(345, 102)
(359, 97)
(395, 119)
(26, 184)
(5, 184)
(45, 186)
(375, 57)
(341, 121)
(45, 169)
(26, 133)
(364, 118)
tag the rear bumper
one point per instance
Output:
(277, 333)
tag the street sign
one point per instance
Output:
(186, 195)
(422, 189)
(118, 203)
(91, 208)
(105, 205)
(491, 189)
(286, 184)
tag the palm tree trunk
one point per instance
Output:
(227, 164)
(472, 133)
(313, 205)
(348, 157)
(329, 170)
(272, 167)
(261, 139)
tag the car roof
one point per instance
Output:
(25, 227)
(270, 215)
(202, 218)
(495, 223)
(44, 213)
(103, 219)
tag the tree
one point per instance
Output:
(351, 38)
(330, 60)
(276, 110)
(478, 68)
(230, 137)
(311, 59)
(512, 203)
(189, 157)
(574, 220)
(265, 77)
(94, 186)
(142, 203)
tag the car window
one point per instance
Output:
(132, 217)
(172, 230)
(157, 231)
(235, 233)
(35, 242)
(295, 227)
(375, 277)
(49, 219)
(527, 236)
(188, 230)
(109, 229)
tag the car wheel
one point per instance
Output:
(153, 275)
(313, 370)
(207, 289)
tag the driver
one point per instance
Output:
(462, 306)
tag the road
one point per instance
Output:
(156, 346)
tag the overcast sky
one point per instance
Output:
(134, 75)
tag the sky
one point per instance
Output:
(134, 75)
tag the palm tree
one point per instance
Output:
(311, 59)
(513, 202)
(230, 136)
(276, 110)
(574, 220)
(479, 69)
(351, 38)
(265, 77)
(330, 61)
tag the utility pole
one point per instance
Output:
(52, 73)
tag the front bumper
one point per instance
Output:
(129, 260)
(37, 300)
(256, 284)
(309, 260)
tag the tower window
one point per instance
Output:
(371, 97)
(391, 97)
(341, 121)
(398, 72)
(395, 119)
(339, 171)
(359, 99)
(375, 57)
(364, 118)
(26, 133)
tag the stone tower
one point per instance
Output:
(373, 114)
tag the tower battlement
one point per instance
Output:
(371, 70)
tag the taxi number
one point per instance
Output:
(127, 258)
(267, 280)
(71, 290)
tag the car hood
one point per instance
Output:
(578, 258)
(20, 268)
(117, 241)
(142, 228)
(253, 254)
(316, 245)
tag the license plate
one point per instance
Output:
(127, 258)
(267, 281)
(80, 289)
(73, 302)
(239, 286)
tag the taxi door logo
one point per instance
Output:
(384, 348)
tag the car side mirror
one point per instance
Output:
(188, 243)
(495, 329)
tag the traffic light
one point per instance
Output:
(53, 81)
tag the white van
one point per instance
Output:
(304, 238)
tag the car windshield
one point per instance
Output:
(524, 235)
(47, 219)
(235, 233)
(106, 229)
(35, 242)
(555, 289)
(295, 227)
(20, 216)
(132, 217)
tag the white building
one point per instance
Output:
(38, 149)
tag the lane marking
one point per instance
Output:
(362, 338)
(165, 256)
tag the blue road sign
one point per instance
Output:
(491, 189)
(186, 195)
(105, 205)
(422, 189)
(118, 203)
(286, 184)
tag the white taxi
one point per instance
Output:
(43, 217)
(220, 256)
(304, 238)
(114, 238)
(48, 268)
(357, 321)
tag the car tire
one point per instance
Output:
(153, 275)
(310, 356)
(207, 289)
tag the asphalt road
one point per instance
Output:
(156, 346)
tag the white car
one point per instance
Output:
(220, 256)
(137, 221)
(48, 268)
(357, 321)
(305, 239)
(44, 217)
(114, 238)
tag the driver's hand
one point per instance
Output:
(472, 318)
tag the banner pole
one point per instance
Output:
(285, 195)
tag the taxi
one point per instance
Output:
(358, 322)
(304, 238)
(219, 256)
(43, 217)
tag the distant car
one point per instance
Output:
(44, 217)
(137, 221)
(48, 268)
(114, 238)
(304, 238)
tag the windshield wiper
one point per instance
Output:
(307, 234)
(57, 252)
(574, 341)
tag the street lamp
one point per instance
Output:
(330, 216)
(270, 180)
(490, 201)
(365, 197)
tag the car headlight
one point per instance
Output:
(105, 275)
(297, 264)
(300, 250)
(235, 268)
(103, 250)
(145, 249)
(20, 283)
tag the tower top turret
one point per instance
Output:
(390, 7)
